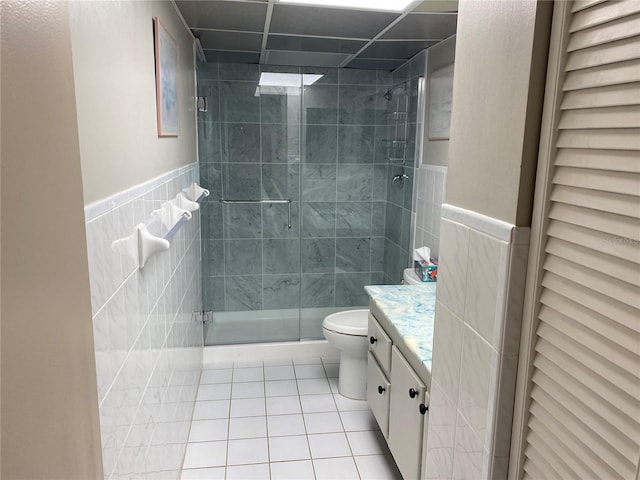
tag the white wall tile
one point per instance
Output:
(514, 299)
(441, 434)
(482, 283)
(475, 379)
(468, 452)
(447, 349)
(452, 271)
(140, 340)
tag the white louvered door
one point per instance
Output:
(578, 401)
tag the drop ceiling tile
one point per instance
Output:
(437, 6)
(375, 64)
(428, 26)
(314, 44)
(328, 22)
(251, 42)
(395, 50)
(216, 14)
(310, 59)
(224, 56)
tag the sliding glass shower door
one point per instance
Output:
(294, 226)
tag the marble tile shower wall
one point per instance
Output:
(475, 346)
(432, 183)
(322, 150)
(400, 209)
(148, 340)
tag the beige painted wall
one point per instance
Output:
(114, 71)
(50, 425)
(498, 85)
(436, 152)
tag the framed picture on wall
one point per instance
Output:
(440, 93)
(166, 49)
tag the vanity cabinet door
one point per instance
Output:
(406, 420)
(378, 390)
(379, 344)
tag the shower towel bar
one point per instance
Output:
(279, 201)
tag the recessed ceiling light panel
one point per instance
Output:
(383, 5)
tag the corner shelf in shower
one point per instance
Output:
(394, 143)
(395, 115)
(172, 214)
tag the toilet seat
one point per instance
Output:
(351, 322)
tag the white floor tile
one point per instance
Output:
(307, 361)
(247, 407)
(326, 422)
(348, 404)
(333, 383)
(283, 405)
(252, 450)
(243, 364)
(216, 376)
(248, 374)
(298, 470)
(247, 427)
(282, 425)
(329, 445)
(377, 467)
(279, 372)
(205, 454)
(289, 448)
(331, 359)
(280, 388)
(208, 430)
(217, 366)
(367, 443)
(247, 390)
(211, 409)
(310, 371)
(335, 469)
(216, 473)
(275, 362)
(358, 420)
(258, 471)
(332, 369)
(313, 386)
(317, 403)
(216, 391)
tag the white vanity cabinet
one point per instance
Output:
(398, 399)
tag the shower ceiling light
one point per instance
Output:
(388, 5)
(272, 79)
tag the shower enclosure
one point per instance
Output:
(300, 164)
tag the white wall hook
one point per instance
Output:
(184, 203)
(169, 214)
(195, 192)
(140, 245)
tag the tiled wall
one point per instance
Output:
(399, 205)
(148, 336)
(324, 151)
(476, 342)
(429, 197)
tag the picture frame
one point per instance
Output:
(166, 60)
(440, 96)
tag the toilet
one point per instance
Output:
(347, 331)
(409, 277)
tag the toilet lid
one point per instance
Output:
(349, 322)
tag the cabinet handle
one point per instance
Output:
(381, 389)
(423, 408)
(372, 339)
(413, 393)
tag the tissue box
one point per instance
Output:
(426, 273)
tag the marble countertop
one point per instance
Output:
(410, 309)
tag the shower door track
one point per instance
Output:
(278, 201)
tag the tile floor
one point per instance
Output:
(282, 420)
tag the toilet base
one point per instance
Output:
(352, 379)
